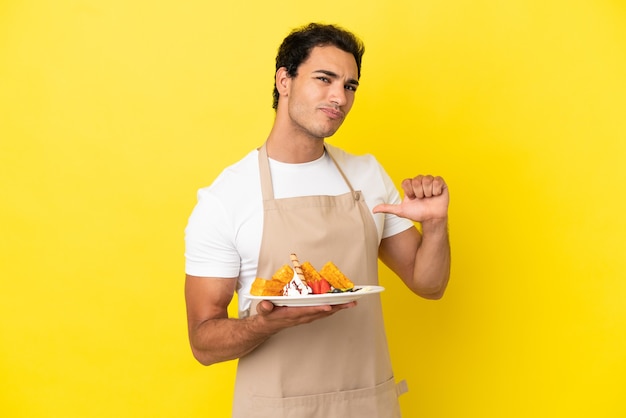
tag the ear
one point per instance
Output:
(283, 81)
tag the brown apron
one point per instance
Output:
(337, 366)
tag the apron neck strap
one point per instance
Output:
(342, 173)
(266, 176)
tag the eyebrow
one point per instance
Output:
(334, 75)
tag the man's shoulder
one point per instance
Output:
(236, 177)
(239, 171)
(247, 165)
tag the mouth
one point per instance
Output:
(332, 113)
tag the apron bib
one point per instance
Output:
(337, 366)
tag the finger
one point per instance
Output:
(416, 186)
(439, 185)
(387, 208)
(331, 309)
(264, 307)
(407, 187)
(427, 185)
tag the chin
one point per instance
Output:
(330, 132)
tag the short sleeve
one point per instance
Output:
(210, 249)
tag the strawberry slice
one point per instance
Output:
(319, 286)
(324, 286)
(315, 287)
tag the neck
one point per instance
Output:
(293, 151)
(291, 146)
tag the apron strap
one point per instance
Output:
(401, 387)
(357, 194)
(267, 189)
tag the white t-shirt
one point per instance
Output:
(223, 234)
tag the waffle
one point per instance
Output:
(273, 287)
(310, 274)
(335, 277)
(283, 274)
(264, 287)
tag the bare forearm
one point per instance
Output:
(432, 260)
(222, 339)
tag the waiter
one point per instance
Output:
(299, 194)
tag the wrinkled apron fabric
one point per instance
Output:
(337, 367)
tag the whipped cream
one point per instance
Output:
(296, 287)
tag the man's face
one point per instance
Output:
(322, 93)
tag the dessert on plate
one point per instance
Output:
(302, 280)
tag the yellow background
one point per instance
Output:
(113, 113)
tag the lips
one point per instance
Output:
(332, 113)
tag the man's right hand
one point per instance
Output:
(276, 318)
(214, 337)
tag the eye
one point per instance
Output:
(350, 87)
(323, 79)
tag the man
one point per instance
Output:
(323, 204)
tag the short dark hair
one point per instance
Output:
(297, 46)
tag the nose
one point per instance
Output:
(338, 95)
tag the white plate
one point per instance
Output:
(323, 299)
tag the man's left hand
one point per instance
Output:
(426, 199)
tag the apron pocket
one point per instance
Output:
(380, 401)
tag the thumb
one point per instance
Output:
(387, 208)
(264, 307)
